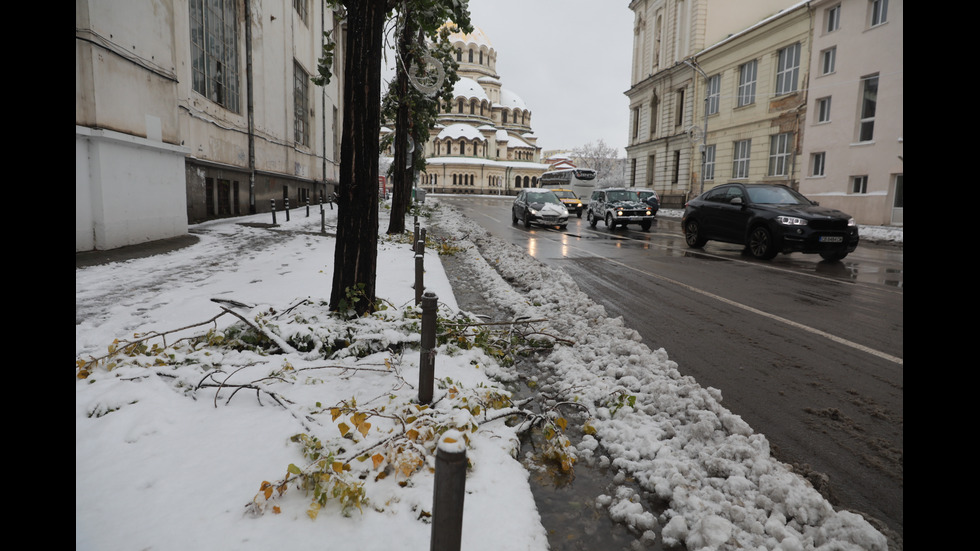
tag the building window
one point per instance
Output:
(459, 57)
(714, 94)
(869, 103)
(859, 184)
(818, 162)
(654, 107)
(301, 101)
(214, 51)
(746, 83)
(504, 115)
(823, 109)
(651, 169)
(879, 12)
(779, 149)
(675, 177)
(832, 17)
(740, 159)
(828, 61)
(679, 107)
(788, 69)
(301, 10)
(636, 122)
(471, 55)
(709, 162)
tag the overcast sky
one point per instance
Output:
(569, 60)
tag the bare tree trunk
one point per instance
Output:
(356, 253)
(401, 169)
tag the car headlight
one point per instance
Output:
(648, 212)
(532, 211)
(851, 222)
(791, 221)
(619, 212)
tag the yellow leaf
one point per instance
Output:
(344, 429)
(338, 467)
(276, 509)
(266, 489)
(334, 413)
(378, 459)
(449, 440)
(412, 434)
(562, 423)
(363, 428)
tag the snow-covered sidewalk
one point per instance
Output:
(173, 444)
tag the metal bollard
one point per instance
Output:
(307, 207)
(448, 494)
(323, 220)
(427, 354)
(415, 235)
(273, 210)
(286, 206)
(419, 267)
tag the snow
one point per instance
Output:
(169, 456)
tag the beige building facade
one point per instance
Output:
(752, 101)
(483, 142)
(853, 149)
(187, 110)
(663, 147)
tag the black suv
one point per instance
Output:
(768, 219)
(618, 207)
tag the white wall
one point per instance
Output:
(128, 190)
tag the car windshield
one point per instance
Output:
(542, 197)
(622, 195)
(562, 194)
(644, 195)
(776, 196)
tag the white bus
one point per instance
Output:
(579, 180)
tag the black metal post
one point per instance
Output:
(419, 267)
(448, 494)
(286, 206)
(427, 355)
(273, 210)
(307, 207)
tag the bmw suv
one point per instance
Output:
(768, 219)
(618, 207)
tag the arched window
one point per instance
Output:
(504, 115)
(472, 107)
(460, 105)
(462, 147)
(471, 55)
(454, 179)
(517, 181)
(527, 181)
(534, 181)
(459, 54)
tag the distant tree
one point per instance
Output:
(414, 112)
(598, 156)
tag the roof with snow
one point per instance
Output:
(511, 100)
(460, 130)
(468, 88)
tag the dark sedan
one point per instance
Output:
(768, 219)
(539, 206)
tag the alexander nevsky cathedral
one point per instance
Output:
(483, 142)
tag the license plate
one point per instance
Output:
(636, 218)
(831, 239)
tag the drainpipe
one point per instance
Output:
(692, 63)
(249, 107)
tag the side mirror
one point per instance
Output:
(736, 201)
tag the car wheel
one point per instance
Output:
(609, 221)
(646, 225)
(692, 234)
(591, 219)
(760, 243)
(513, 216)
(563, 227)
(833, 256)
(579, 213)
(527, 220)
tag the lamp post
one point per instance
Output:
(704, 133)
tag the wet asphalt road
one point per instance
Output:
(809, 353)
